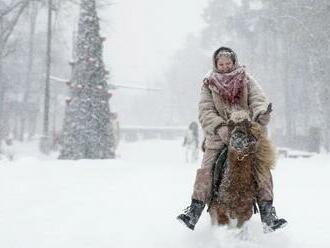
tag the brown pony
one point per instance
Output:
(249, 155)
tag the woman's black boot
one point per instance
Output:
(192, 213)
(268, 217)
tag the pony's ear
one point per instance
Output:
(231, 125)
(256, 130)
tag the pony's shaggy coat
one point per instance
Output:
(243, 173)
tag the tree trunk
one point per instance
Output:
(25, 115)
(2, 88)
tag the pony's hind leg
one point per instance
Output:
(213, 215)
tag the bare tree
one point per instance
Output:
(33, 12)
(9, 16)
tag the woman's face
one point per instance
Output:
(225, 64)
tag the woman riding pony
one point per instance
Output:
(226, 89)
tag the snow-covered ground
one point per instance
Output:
(133, 201)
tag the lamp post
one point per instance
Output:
(45, 142)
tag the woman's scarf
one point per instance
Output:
(228, 85)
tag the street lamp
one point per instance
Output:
(45, 141)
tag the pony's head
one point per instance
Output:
(247, 136)
(241, 139)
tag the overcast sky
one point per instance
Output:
(144, 34)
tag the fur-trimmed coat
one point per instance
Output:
(215, 112)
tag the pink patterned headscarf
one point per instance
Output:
(228, 85)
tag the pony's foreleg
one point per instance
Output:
(243, 233)
(218, 216)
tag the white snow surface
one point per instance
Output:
(133, 201)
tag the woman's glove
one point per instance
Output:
(263, 119)
(223, 133)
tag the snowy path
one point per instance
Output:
(133, 201)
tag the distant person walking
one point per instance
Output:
(191, 141)
(7, 149)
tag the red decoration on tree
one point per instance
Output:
(90, 59)
(68, 100)
(109, 94)
(114, 115)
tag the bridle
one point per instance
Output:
(244, 143)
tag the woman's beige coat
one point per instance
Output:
(214, 112)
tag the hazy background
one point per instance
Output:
(164, 49)
(144, 35)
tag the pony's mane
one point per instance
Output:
(265, 151)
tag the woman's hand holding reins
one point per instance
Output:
(264, 119)
(223, 133)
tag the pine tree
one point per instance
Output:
(87, 131)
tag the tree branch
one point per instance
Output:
(9, 29)
(11, 8)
